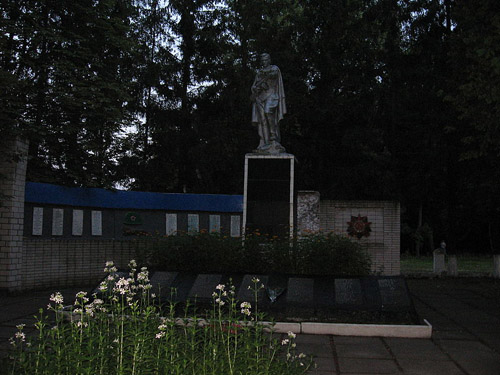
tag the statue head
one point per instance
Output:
(265, 59)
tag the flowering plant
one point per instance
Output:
(126, 332)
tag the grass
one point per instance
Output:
(124, 333)
(466, 263)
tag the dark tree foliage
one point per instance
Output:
(73, 61)
(387, 99)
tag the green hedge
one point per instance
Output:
(328, 254)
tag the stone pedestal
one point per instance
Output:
(269, 195)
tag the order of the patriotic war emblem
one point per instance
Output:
(359, 226)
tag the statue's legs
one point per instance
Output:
(264, 135)
(273, 127)
(263, 127)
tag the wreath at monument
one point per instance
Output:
(359, 227)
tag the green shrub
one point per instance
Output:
(318, 254)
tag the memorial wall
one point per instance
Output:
(69, 233)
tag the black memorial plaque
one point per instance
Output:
(393, 293)
(268, 196)
(161, 283)
(348, 292)
(246, 291)
(204, 286)
(300, 297)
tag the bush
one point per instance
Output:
(316, 254)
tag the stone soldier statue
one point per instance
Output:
(268, 108)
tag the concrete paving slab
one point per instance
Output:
(464, 347)
(428, 367)
(479, 365)
(409, 348)
(325, 364)
(354, 340)
(458, 334)
(366, 350)
(312, 339)
(490, 339)
(318, 350)
(368, 366)
(475, 357)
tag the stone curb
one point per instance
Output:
(368, 330)
(317, 328)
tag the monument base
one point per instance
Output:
(269, 194)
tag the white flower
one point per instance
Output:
(81, 294)
(294, 345)
(159, 335)
(122, 286)
(89, 310)
(20, 326)
(245, 308)
(301, 355)
(255, 280)
(109, 263)
(220, 287)
(246, 312)
(143, 276)
(288, 356)
(132, 263)
(285, 341)
(57, 298)
(81, 324)
(153, 295)
(291, 335)
(20, 336)
(220, 302)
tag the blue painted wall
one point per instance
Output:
(138, 200)
(116, 205)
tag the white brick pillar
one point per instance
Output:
(12, 185)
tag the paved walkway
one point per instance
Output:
(465, 314)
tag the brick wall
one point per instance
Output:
(12, 184)
(383, 243)
(66, 263)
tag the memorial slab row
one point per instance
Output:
(61, 222)
(293, 296)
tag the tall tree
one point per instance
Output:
(74, 60)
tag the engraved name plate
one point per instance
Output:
(96, 220)
(171, 224)
(214, 223)
(37, 221)
(77, 226)
(57, 221)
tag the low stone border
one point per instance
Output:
(317, 328)
(366, 330)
